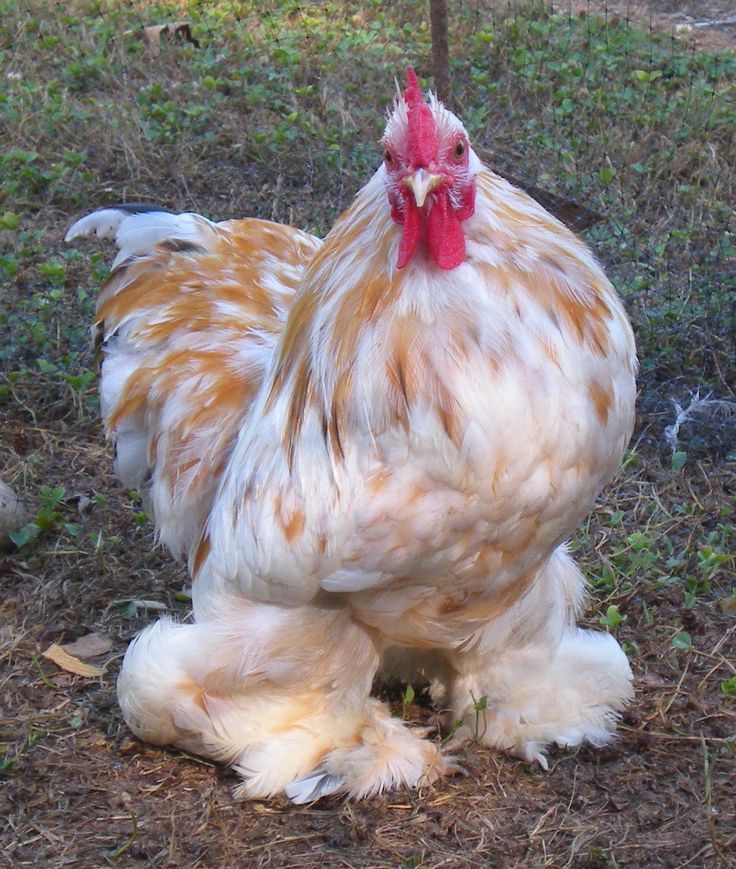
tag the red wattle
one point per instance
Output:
(445, 236)
(412, 223)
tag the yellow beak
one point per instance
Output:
(422, 183)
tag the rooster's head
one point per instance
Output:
(430, 176)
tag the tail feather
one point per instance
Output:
(104, 222)
(187, 323)
(138, 228)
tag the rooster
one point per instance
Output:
(370, 451)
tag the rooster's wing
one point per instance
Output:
(186, 325)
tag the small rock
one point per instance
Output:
(13, 516)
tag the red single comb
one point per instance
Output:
(423, 142)
(413, 93)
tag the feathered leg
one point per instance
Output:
(532, 678)
(280, 693)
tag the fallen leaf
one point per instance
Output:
(262, 809)
(651, 680)
(728, 604)
(89, 646)
(152, 35)
(84, 504)
(70, 663)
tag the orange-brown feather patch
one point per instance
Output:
(601, 396)
(200, 556)
(236, 284)
(294, 528)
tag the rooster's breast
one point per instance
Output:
(508, 424)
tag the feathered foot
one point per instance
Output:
(530, 698)
(288, 717)
(381, 755)
(532, 678)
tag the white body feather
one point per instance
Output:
(407, 457)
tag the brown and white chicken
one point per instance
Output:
(369, 449)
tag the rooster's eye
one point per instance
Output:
(388, 158)
(459, 149)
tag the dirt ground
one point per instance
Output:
(77, 789)
(710, 24)
(81, 791)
